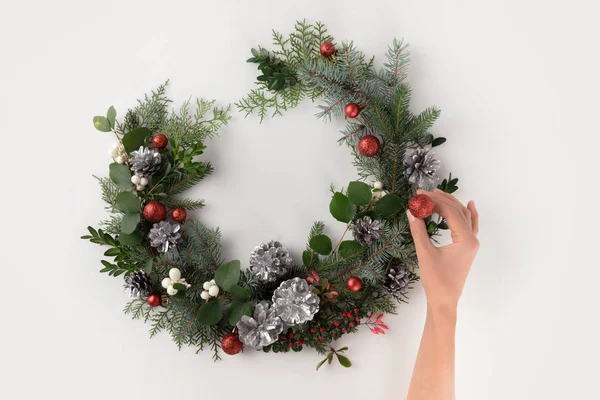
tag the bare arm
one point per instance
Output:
(444, 271)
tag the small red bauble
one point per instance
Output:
(354, 284)
(179, 215)
(327, 49)
(231, 344)
(352, 110)
(421, 206)
(155, 212)
(154, 299)
(160, 141)
(368, 145)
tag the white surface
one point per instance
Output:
(517, 84)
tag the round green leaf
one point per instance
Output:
(135, 138)
(238, 293)
(389, 205)
(179, 286)
(321, 244)
(111, 116)
(344, 361)
(101, 123)
(130, 240)
(341, 208)
(228, 275)
(350, 248)
(120, 175)
(210, 313)
(237, 311)
(359, 193)
(130, 222)
(128, 202)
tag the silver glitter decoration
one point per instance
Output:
(138, 284)
(145, 162)
(398, 278)
(269, 261)
(164, 236)
(420, 165)
(366, 231)
(262, 329)
(294, 302)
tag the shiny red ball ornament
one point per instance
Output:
(179, 215)
(160, 141)
(154, 300)
(327, 49)
(155, 212)
(352, 110)
(231, 344)
(369, 145)
(354, 284)
(421, 206)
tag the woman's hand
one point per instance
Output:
(444, 269)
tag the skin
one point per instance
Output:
(443, 271)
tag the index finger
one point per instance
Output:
(450, 211)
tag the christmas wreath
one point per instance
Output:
(172, 265)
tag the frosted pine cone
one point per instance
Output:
(164, 236)
(420, 165)
(269, 261)
(262, 329)
(145, 162)
(366, 231)
(138, 284)
(294, 302)
(398, 277)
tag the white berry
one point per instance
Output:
(207, 285)
(175, 274)
(139, 188)
(144, 181)
(113, 152)
(171, 290)
(212, 281)
(119, 160)
(378, 185)
(214, 291)
(166, 283)
(204, 295)
(136, 180)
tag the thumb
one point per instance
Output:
(419, 233)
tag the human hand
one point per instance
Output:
(444, 269)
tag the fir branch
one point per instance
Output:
(205, 246)
(188, 204)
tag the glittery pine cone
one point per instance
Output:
(269, 261)
(138, 283)
(398, 277)
(145, 162)
(262, 329)
(420, 166)
(294, 302)
(164, 236)
(366, 231)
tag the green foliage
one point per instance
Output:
(321, 244)
(228, 275)
(102, 124)
(111, 116)
(120, 175)
(341, 208)
(135, 138)
(128, 202)
(389, 205)
(210, 313)
(129, 222)
(275, 73)
(449, 185)
(359, 193)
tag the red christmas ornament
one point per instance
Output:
(421, 206)
(354, 284)
(160, 141)
(327, 49)
(352, 110)
(231, 344)
(179, 215)
(155, 212)
(368, 145)
(154, 299)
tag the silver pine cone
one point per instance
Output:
(138, 284)
(420, 165)
(164, 236)
(269, 261)
(366, 231)
(262, 329)
(398, 277)
(145, 162)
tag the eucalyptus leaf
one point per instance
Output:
(341, 208)
(101, 124)
(135, 138)
(350, 248)
(179, 286)
(111, 116)
(132, 239)
(128, 202)
(238, 293)
(359, 193)
(321, 244)
(237, 310)
(130, 222)
(389, 205)
(210, 313)
(120, 175)
(228, 275)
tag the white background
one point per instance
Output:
(517, 85)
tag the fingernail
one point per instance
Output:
(411, 217)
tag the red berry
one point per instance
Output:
(344, 330)
(336, 323)
(322, 330)
(281, 336)
(320, 338)
(290, 344)
(313, 330)
(351, 324)
(357, 319)
(291, 335)
(421, 206)
(356, 310)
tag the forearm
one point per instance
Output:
(433, 375)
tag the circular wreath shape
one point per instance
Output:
(172, 265)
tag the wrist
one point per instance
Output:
(443, 311)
